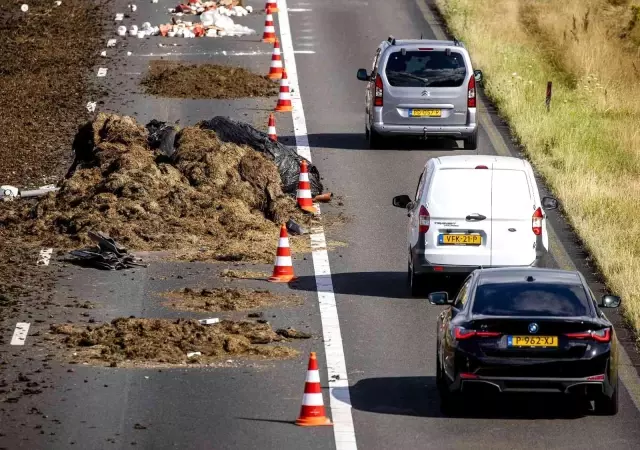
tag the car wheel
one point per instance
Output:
(607, 406)
(366, 133)
(375, 140)
(416, 283)
(471, 143)
(449, 401)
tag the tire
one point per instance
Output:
(449, 401)
(416, 283)
(375, 140)
(472, 142)
(366, 133)
(607, 406)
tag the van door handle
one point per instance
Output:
(475, 217)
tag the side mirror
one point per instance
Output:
(610, 301)
(549, 203)
(401, 201)
(477, 74)
(363, 75)
(439, 298)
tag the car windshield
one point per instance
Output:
(529, 299)
(425, 69)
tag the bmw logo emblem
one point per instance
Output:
(533, 328)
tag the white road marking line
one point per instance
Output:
(111, 43)
(20, 333)
(102, 71)
(340, 399)
(119, 16)
(299, 9)
(45, 256)
(626, 370)
(222, 52)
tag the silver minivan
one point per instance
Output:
(424, 88)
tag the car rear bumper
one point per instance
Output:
(422, 266)
(452, 131)
(585, 385)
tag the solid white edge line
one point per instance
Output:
(339, 397)
(626, 370)
(20, 333)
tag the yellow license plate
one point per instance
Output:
(460, 239)
(532, 341)
(425, 113)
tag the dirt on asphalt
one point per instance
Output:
(226, 299)
(217, 200)
(133, 341)
(184, 80)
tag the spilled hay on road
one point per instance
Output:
(131, 342)
(213, 199)
(226, 299)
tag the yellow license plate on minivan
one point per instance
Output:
(460, 239)
(532, 341)
(425, 112)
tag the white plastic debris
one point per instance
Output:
(112, 42)
(141, 34)
(133, 30)
(58, 3)
(209, 321)
(146, 26)
(154, 1)
(132, 7)
(211, 32)
(8, 193)
(91, 106)
(24, 8)
(207, 18)
(128, 53)
(171, 33)
(192, 354)
(103, 53)
(122, 31)
(249, 9)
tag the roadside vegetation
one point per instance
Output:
(588, 145)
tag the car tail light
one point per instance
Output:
(468, 376)
(471, 95)
(378, 97)
(536, 222)
(462, 333)
(596, 378)
(481, 167)
(603, 335)
(424, 220)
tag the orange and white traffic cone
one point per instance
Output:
(273, 5)
(303, 195)
(275, 70)
(269, 34)
(312, 412)
(284, 97)
(283, 267)
(272, 128)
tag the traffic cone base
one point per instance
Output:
(312, 412)
(283, 266)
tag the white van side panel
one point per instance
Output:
(513, 203)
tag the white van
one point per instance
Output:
(474, 211)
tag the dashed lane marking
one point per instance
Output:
(45, 256)
(20, 333)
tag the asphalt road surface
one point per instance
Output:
(388, 338)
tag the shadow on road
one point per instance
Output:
(418, 396)
(357, 141)
(372, 284)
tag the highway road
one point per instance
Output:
(387, 338)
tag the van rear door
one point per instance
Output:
(459, 203)
(512, 199)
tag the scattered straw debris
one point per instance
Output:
(225, 299)
(244, 274)
(218, 200)
(183, 80)
(129, 341)
(292, 333)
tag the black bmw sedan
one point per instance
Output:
(527, 330)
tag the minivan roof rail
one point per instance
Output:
(391, 40)
(456, 42)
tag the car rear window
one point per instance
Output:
(455, 193)
(425, 69)
(529, 299)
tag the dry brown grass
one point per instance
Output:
(587, 146)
